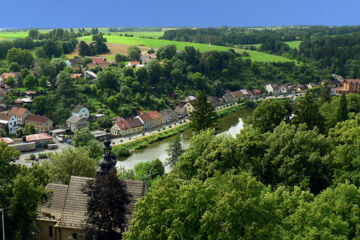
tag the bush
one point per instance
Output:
(121, 151)
(42, 156)
(32, 157)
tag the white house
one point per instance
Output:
(273, 88)
(81, 111)
(10, 122)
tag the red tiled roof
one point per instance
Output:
(237, 94)
(5, 117)
(7, 140)
(75, 75)
(352, 81)
(38, 137)
(98, 59)
(123, 124)
(145, 117)
(154, 115)
(5, 76)
(30, 92)
(37, 118)
(18, 111)
(134, 63)
(256, 91)
(135, 122)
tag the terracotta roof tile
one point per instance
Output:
(154, 115)
(38, 137)
(37, 118)
(18, 111)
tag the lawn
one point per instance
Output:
(294, 44)
(155, 43)
(12, 35)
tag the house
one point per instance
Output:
(311, 85)
(133, 63)
(189, 108)
(9, 122)
(350, 86)
(256, 92)
(75, 62)
(145, 58)
(14, 75)
(7, 140)
(40, 123)
(76, 123)
(41, 139)
(20, 114)
(121, 128)
(81, 111)
(215, 101)
(156, 118)
(273, 89)
(90, 76)
(237, 95)
(98, 61)
(168, 116)
(3, 94)
(181, 111)
(188, 99)
(136, 125)
(100, 135)
(64, 214)
(228, 98)
(246, 93)
(301, 88)
(146, 120)
(76, 75)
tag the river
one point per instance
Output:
(231, 124)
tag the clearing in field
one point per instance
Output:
(156, 43)
(294, 44)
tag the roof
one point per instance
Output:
(123, 124)
(5, 117)
(167, 113)
(78, 108)
(7, 140)
(135, 122)
(37, 118)
(18, 111)
(154, 115)
(54, 207)
(133, 63)
(353, 81)
(256, 91)
(237, 94)
(145, 117)
(74, 211)
(91, 73)
(76, 61)
(74, 119)
(75, 75)
(245, 91)
(98, 59)
(38, 137)
(3, 92)
(5, 76)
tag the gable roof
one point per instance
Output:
(74, 211)
(237, 94)
(38, 137)
(5, 117)
(54, 207)
(76, 75)
(37, 118)
(18, 111)
(154, 115)
(167, 113)
(78, 108)
(123, 124)
(7, 140)
(91, 73)
(145, 117)
(135, 122)
(74, 119)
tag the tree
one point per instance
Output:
(166, 52)
(64, 84)
(342, 109)
(21, 56)
(43, 82)
(83, 137)
(34, 33)
(268, 115)
(86, 61)
(308, 112)
(14, 67)
(203, 115)
(30, 82)
(70, 162)
(85, 49)
(10, 81)
(99, 43)
(174, 151)
(106, 208)
(353, 101)
(325, 94)
(121, 58)
(52, 49)
(134, 53)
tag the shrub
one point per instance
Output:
(32, 157)
(121, 151)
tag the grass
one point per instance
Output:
(156, 43)
(293, 44)
(138, 34)
(12, 35)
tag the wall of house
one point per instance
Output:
(66, 233)
(44, 230)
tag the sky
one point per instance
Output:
(176, 13)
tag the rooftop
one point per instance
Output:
(37, 118)
(38, 137)
(18, 111)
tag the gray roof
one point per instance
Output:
(54, 207)
(74, 213)
(74, 119)
(78, 108)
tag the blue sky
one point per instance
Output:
(176, 13)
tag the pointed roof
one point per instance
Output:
(78, 108)
(18, 111)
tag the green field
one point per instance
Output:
(138, 34)
(294, 44)
(13, 35)
(155, 43)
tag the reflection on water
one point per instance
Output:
(231, 124)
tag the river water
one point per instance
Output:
(231, 124)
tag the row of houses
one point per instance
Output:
(288, 88)
(143, 122)
(29, 142)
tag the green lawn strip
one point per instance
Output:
(293, 44)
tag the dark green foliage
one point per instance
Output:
(134, 53)
(106, 208)
(203, 115)
(99, 43)
(342, 109)
(121, 58)
(174, 151)
(166, 52)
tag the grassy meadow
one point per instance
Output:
(294, 44)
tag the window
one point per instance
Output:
(50, 231)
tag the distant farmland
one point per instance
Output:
(294, 44)
(156, 43)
